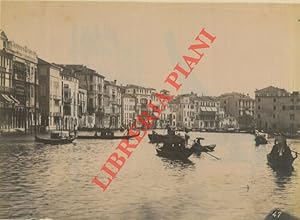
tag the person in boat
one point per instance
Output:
(186, 138)
(169, 130)
(281, 149)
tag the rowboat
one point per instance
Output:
(107, 136)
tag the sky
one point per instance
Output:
(257, 45)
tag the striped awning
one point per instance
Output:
(7, 99)
(10, 99)
(208, 109)
(14, 99)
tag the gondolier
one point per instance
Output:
(281, 156)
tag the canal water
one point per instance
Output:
(43, 181)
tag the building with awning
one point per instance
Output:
(9, 99)
(18, 85)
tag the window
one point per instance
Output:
(91, 87)
(91, 77)
(274, 100)
(258, 99)
(274, 107)
(283, 107)
(292, 107)
(292, 100)
(258, 115)
(274, 116)
(258, 107)
(292, 117)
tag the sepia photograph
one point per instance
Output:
(149, 110)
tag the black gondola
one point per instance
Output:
(107, 135)
(281, 162)
(260, 139)
(174, 151)
(204, 148)
(55, 140)
(159, 138)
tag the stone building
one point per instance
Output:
(143, 96)
(208, 113)
(277, 110)
(7, 99)
(84, 121)
(113, 114)
(236, 104)
(50, 95)
(70, 89)
(128, 110)
(93, 82)
(19, 85)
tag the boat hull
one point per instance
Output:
(259, 140)
(107, 137)
(280, 163)
(204, 148)
(175, 153)
(158, 138)
(54, 141)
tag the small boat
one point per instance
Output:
(174, 151)
(107, 135)
(55, 141)
(260, 139)
(169, 138)
(57, 137)
(281, 162)
(203, 148)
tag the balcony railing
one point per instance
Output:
(68, 100)
(6, 89)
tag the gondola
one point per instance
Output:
(107, 136)
(260, 139)
(281, 163)
(174, 151)
(204, 148)
(159, 138)
(55, 140)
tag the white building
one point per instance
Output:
(128, 109)
(50, 94)
(70, 87)
(113, 93)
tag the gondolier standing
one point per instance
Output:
(186, 138)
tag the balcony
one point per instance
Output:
(68, 100)
(6, 89)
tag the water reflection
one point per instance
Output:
(177, 164)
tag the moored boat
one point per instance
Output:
(107, 135)
(55, 140)
(57, 137)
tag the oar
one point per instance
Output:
(212, 155)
